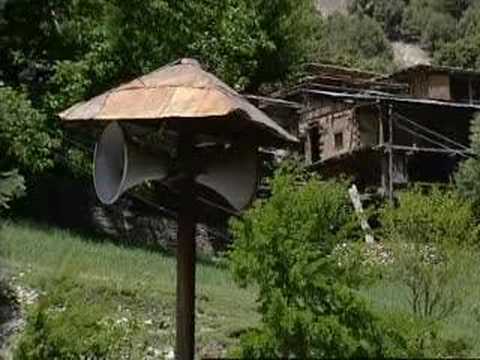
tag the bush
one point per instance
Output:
(67, 325)
(11, 187)
(417, 338)
(24, 136)
(467, 179)
(288, 246)
(432, 236)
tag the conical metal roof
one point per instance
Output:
(181, 90)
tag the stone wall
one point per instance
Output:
(71, 204)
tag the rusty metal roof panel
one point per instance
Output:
(179, 90)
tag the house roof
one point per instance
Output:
(378, 96)
(337, 78)
(431, 69)
(316, 68)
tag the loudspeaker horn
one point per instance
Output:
(119, 166)
(232, 174)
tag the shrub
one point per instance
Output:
(11, 186)
(417, 338)
(287, 246)
(65, 324)
(433, 236)
(467, 178)
(24, 137)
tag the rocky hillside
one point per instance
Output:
(406, 54)
(328, 7)
(409, 54)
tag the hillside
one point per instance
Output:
(128, 287)
(328, 7)
(444, 32)
(405, 54)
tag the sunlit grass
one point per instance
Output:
(42, 254)
(144, 282)
(387, 296)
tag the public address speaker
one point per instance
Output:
(120, 165)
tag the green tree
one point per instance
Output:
(388, 13)
(246, 42)
(467, 178)
(292, 30)
(25, 140)
(355, 41)
(290, 247)
(426, 22)
(37, 34)
(464, 51)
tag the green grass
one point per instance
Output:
(132, 281)
(141, 284)
(464, 323)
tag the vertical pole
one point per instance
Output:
(185, 317)
(381, 142)
(470, 91)
(390, 154)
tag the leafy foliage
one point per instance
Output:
(468, 175)
(419, 338)
(355, 41)
(64, 325)
(423, 21)
(464, 50)
(438, 25)
(386, 12)
(431, 235)
(246, 42)
(24, 137)
(11, 187)
(287, 247)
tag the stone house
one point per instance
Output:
(385, 131)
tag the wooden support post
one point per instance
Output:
(390, 154)
(470, 91)
(185, 317)
(357, 205)
(381, 142)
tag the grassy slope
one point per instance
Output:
(138, 283)
(463, 323)
(130, 281)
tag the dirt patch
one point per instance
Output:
(409, 54)
(328, 7)
(12, 320)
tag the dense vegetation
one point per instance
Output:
(448, 28)
(300, 249)
(291, 253)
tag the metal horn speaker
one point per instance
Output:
(119, 166)
(232, 174)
